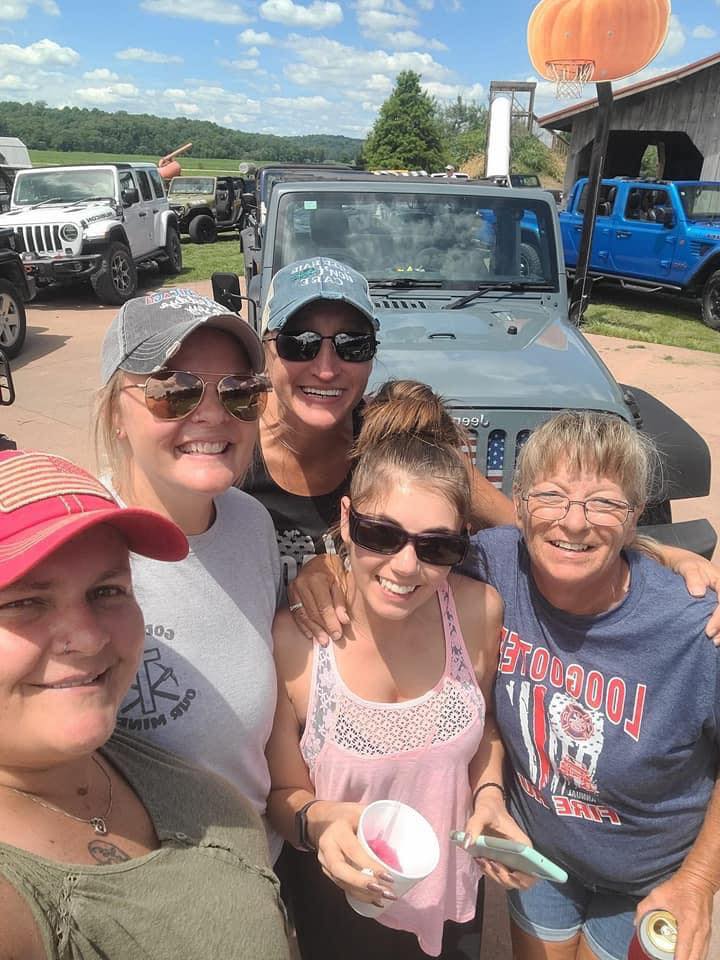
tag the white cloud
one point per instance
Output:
(102, 73)
(675, 39)
(11, 81)
(240, 64)
(186, 109)
(451, 91)
(41, 53)
(109, 94)
(426, 4)
(298, 103)
(212, 11)
(147, 56)
(19, 9)
(252, 52)
(393, 24)
(703, 32)
(317, 15)
(260, 38)
(407, 39)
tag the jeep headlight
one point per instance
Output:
(69, 232)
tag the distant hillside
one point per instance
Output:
(96, 131)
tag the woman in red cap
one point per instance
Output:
(109, 848)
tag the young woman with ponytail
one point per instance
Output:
(400, 707)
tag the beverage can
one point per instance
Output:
(655, 937)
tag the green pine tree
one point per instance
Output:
(406, 134)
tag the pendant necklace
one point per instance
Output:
(99, 824)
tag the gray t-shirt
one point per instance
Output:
(206, 686)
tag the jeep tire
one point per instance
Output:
(172, 264)
(116, 280)
(530, 262)
(711, 301)
(203, 229)
(13, 325)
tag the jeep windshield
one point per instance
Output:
(702, 201)
(452, 241)
(62, 186)
(191, 185)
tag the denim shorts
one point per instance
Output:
(556, 912)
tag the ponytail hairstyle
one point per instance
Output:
(407, 432)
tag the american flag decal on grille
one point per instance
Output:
(495, 462)
(31, 477)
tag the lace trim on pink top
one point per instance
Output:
(369, 729)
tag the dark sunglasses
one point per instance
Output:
(383, 536)
(305, 345)
(174, 394)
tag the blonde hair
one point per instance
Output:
(108, 448)
(594, 442)
(408, 431)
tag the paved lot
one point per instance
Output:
(57, 372)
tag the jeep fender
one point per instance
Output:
(168, 219)
(196, 211)
(706, 268)
(686, 456)
(98, 244)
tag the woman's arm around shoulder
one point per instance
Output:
(480, 611)
(19, 936)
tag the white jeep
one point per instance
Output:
(97, 222)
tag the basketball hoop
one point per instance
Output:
(569, 76)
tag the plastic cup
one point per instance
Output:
(406, 838)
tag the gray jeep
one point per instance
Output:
(463, 308)
(206, 206)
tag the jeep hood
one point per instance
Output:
(54, 213)
(474, 359)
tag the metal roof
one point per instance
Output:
(563, 119)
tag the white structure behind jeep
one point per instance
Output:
(97, 222)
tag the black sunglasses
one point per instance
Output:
(386, 537)
(305, 345)
(174, 394)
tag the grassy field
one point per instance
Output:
(200, 261)
(42, 158)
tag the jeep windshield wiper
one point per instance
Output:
(514, 286)
(42, 203)
(405, 282)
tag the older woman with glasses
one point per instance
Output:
(178, 419)
(607, 698)
(110, 848)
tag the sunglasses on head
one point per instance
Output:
(386, 537)
(174, 394)
(305, 345)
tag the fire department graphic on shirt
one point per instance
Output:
(563, 711)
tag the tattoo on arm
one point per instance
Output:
(105, 852)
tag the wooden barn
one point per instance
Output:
(678, 112)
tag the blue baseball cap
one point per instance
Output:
(318, 278)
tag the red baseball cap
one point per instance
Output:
(45, 501)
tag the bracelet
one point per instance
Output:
(301, 828)
(483, 786)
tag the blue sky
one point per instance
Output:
(279, 66)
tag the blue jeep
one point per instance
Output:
(653, 235)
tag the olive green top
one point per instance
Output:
(206, 892)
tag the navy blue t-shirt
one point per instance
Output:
(611, 722)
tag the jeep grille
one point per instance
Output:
(40, 238)
(496, 439)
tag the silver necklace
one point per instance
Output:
(99, 824)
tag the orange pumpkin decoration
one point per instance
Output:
(619, 36)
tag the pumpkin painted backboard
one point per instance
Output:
(599, 40)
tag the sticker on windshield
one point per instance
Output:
(310, 205)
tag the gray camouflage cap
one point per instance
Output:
(148, 331)
(319, 278)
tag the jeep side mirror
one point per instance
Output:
(129, 197)
(226, 290)
(665, 216)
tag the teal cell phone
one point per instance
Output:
(515, 856)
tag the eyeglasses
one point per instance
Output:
(174, 394)
(383, 536)
(305, 345)
(598, 510)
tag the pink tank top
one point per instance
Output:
(417, 751)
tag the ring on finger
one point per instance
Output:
(296, 606)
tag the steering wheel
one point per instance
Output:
(428, 257)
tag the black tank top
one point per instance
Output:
(302, 524)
